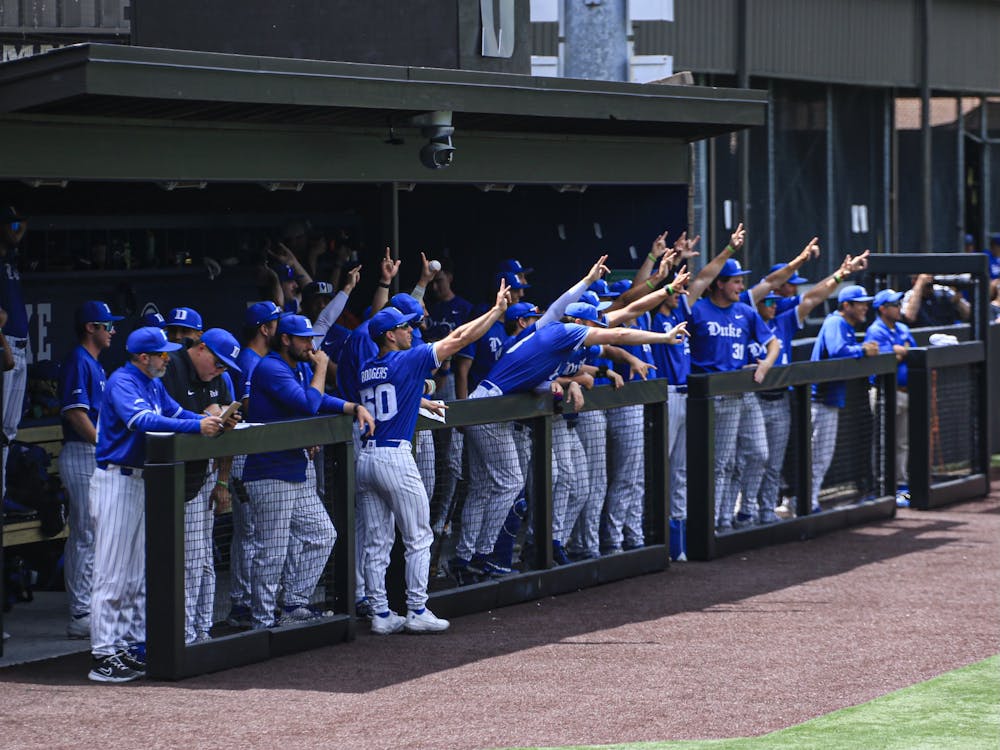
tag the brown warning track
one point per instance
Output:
(739, 646)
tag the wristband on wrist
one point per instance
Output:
(383, 285)
(220, 483)
(670, 289)
(731, 249)
(602, 371)
(836, 277)
(651, 257)
(650, 284)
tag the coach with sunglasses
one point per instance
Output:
(197, 380)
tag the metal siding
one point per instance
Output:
(851, 41)
(96, 15)
(965, 55)
(652, 37)
(545, 38)
(703, 36)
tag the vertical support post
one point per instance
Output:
(390, 224)
(926, 146)
(889, 243)
(541, 516)
(657, 472)
(700, 470)
(887, 385)
(831, 184)
(959, 176)
(743, 82)
(343, 595)
(803, 470)
(164, 568)
(986, 220)
(918, 383)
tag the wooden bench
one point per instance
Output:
(29, 531)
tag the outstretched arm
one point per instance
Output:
(466, 333)
(388, 268)
(650, 301)
(826, 287)
(707, 275)
(774, 280)
(558, 308)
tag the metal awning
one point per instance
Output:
(126, 88)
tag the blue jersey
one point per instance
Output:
(391, 388)
(784, 304)
(576, 359)
(81, 386)
(334, 340)
(453, 313)
(247, 361)
(357, 350)
(486, 352)
(994, 265)
(278, 392)
(133, 405)
(640, 351)
(836, 340)
(12, 300)
(673, 361)
(886, 338)
(533, 357)
(784, 326)
(720, 336)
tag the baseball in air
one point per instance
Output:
(434, 265)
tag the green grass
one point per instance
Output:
(959, 710)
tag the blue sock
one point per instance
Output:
(418, 611)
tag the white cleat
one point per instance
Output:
(78, 627)
(387, 624)
(425, 622)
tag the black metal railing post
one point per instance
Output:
(344, 595)
(700, 471)
(657, 472)
(803, 472)
(541, 490)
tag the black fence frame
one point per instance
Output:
(166, 453)
(703, 543)
(547, 579)
(924, 492)
(170, 658)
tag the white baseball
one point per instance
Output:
(434, 265)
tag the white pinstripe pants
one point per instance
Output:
(241, 545)
(824, 442)
(14, 383)
(390, 488)
(739, 426)
(495, 480)
(571, 478)
(76, 467)
(425, 460)
(626, 480)
(199, 562)
(677, 452)
(284, 511)
(118, 597)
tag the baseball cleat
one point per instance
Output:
(387, 623)
(495, 570)
(304, 613)
(240, 617)
(363, 609)
(424, 621)
(742, 521)
(768, 516)
(112, 669)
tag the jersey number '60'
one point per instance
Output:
(380, 401)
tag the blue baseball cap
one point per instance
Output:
(621, 286)
(771, 295)
(512, 281)
(583, 311)
(886, 295)
(793, 279)
(408, 305)
(388, 318)
(854, 293)
(260, 313)
(154, 319)
(732, 268)
(995, 238)
(95, 312)
(149, 339)
(295, 325)
(969, 239)
(601, 289)
(223, 345)
(510, 265)
(184, 316)
(522, 310)
(591, 298)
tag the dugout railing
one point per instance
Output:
(164, 476)
(859, 486)
(540, 576)
(169, 455)
(949, 387)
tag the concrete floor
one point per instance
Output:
(38, 630)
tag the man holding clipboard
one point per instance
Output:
(198, 381)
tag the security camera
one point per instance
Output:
(436, 127)
(438, 152)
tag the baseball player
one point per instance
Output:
(12, 230)
(285, 386)
(81, 390)
(835, 340)
(195, 381)
(260, 323)
(135, 402)
(183, 326)
(389, 484)
(529, 362)
(894, 336)
(721, 330)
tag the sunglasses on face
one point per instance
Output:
(402, 327)
(770, 302)
(107, 326)
(897, 303)
(161, 355)
(219, 364)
